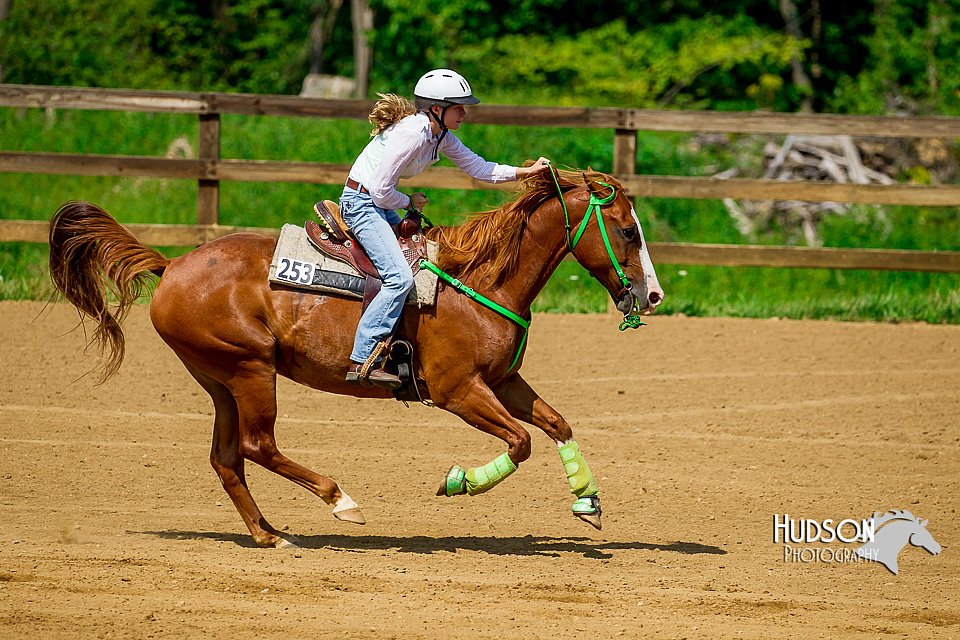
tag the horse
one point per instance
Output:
(901, 527)
(235, 332)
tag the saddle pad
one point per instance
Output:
(296, 263)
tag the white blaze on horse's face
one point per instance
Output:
(650, 288)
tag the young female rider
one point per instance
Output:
(406, 141)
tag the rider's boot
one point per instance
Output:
(370, 372)
(377, 377)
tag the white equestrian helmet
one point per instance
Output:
(444, 85)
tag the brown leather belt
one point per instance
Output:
(353, 184)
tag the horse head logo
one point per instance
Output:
(899, 528)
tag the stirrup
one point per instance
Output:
(375, 377)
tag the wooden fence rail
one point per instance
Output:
(209, 169)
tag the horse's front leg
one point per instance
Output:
(523, 403)
(477, 405)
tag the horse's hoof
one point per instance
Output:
(287, 542)
(455, 482)
(276, 540)
(593, 519)
(353, 515)
(347, 510)
(588, 510)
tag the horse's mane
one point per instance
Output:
(490, 240)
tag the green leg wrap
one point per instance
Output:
(480, 479)
(582, 483)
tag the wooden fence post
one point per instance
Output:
(208, 195)
(625, 152)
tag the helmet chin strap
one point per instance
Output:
(443, 128)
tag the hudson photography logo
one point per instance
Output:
(879, 538)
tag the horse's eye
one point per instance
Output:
(629, 233)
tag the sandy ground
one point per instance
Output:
(699, 431)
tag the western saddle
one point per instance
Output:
(332, 237)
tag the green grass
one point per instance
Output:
(693, 290)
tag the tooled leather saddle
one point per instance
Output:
(332, 237)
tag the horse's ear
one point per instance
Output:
(591, 185)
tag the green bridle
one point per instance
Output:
(593, 209)
(631, 321)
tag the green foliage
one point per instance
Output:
(256, 46)
(864, 58)
(77, 42)
(689, 62)
(23, 272)
(811, 294)
(913, 63)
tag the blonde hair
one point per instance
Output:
(388, 111)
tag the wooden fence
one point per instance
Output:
(209, 169)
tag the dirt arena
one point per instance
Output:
(698, 430)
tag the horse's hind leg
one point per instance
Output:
(525, 404)
(226, 460)
(255, 390)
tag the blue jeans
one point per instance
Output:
(372, 227)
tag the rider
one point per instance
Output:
(406, 141)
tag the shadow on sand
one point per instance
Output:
(494, 545)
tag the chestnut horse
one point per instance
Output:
(235, 331)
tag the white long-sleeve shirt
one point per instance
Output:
(405, 149)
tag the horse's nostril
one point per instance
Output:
(655, 298)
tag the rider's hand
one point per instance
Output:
(540, 165)
(418, 201)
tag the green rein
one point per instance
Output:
(593, 209)
(485, 301)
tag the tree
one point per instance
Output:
(320, 29)
(362, 18)
(4, 10)
(800, 78)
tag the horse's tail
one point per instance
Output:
(87, 244)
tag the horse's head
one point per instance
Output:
(608, 242)
(892, 531)
(922, 538)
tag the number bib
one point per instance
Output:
(296, 263)
(295, 271)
